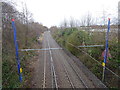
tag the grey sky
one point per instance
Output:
(53, 12)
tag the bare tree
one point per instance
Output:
(26, 21)
(89, 20)
(83, 21)
(105, 14)
(65, 24)
(71, 22)
(104, 17)
(77, 23)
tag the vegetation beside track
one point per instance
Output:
(83, 37)
(28, 33)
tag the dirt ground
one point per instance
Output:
(33, 65)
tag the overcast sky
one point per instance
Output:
(53, 12)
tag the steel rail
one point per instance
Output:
(54, 81)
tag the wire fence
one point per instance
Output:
(95, 60)
(111, 78)
(92, 58)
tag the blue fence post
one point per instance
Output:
(16, 49)
(106, 50)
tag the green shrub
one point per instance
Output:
(76, 38)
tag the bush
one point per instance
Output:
(76, 38)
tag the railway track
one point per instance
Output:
(68, 77)
(67, 73)
(44, 77)
(78, 75)
(65, 65)
(53, 73)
